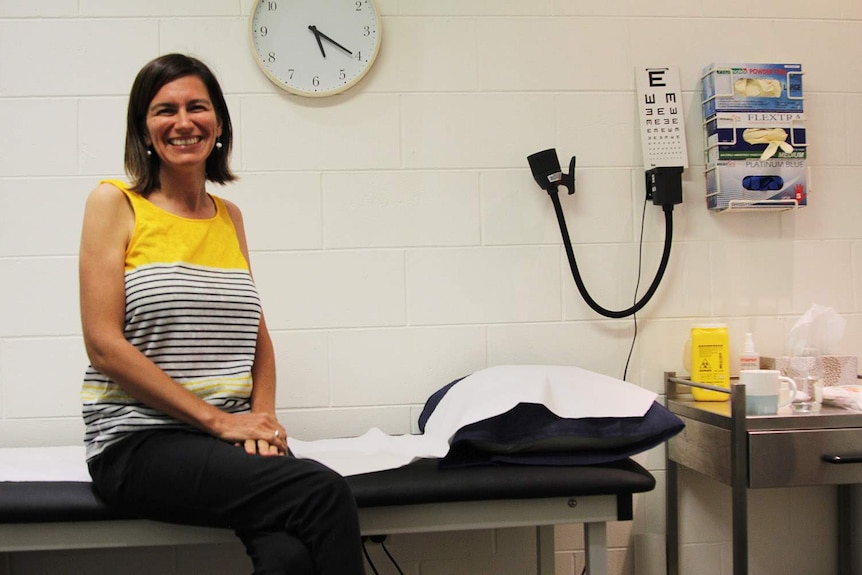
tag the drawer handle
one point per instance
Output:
(841, 459)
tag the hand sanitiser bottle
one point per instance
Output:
(710, 361)
(749, 359)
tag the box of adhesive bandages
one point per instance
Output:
(755, 183)
(763, 135)
(745, 87)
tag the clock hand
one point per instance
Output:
(328, 39)
(317, 37)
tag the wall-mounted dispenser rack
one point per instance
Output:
(755, 147)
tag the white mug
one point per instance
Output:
(763, 391)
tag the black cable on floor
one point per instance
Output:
(368, 557)
(391, 558)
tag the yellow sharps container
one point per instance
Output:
(710, 360)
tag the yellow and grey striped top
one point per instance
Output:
(191, 307)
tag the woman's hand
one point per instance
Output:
(258, 433)
(261, 447)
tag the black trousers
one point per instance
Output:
(294, 516)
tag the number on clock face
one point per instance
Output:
(315, 47)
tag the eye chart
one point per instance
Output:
(662, 126)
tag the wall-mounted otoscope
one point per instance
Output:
(664, 187)
(547, 172)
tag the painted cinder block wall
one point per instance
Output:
(399, 240)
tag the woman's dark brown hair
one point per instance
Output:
(143, 168)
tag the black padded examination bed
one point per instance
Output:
(416, 498)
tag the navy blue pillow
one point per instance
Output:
(531, 434)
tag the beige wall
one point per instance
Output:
(399, 240)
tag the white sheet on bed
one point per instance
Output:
(567, 391)
(43, 464)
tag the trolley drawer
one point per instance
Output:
(805, 457)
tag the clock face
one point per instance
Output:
(315, 47)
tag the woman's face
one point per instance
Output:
(182, 123)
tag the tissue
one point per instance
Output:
(820, 328)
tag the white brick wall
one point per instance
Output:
(400, 242)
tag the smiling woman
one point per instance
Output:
(142, 164)
(182, 126)
(179, 399)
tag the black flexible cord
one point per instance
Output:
(368, 558)
(637, 286)
(391, 558)
(561, 219)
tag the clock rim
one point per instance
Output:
(319, 94)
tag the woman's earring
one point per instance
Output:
(218, 144)
(149, 151)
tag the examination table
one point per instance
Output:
(417, 498)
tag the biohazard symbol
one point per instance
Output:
(704, 364)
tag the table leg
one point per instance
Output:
(672, 517)
(740, 529)
(848, 529)
(596, 545)
(545, 562)
(739, 480)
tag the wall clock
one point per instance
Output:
(315, 47)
